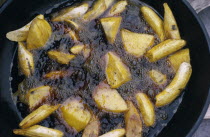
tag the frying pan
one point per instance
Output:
(16, 13)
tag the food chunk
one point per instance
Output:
(60, 57)
(117, 73)
(136, 44)
(114, 133)
(146, 108)
(26, 60)
(173, 90)
(75, 113)
(38, 131)
(57, 74)
(133, 121)
(170, 25)
(109, 99)
(157, 77)
(77, 48)
(21, 34)
(73, 24)
(92, 129)
(73, 36)
(118, 8)
(178, 58)
(164, 49)
(38, 115)
(154, 21)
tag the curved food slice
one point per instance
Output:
(170, 25)
(26, 60)
(71, 12)
(38, 131)
(157, 77)
(73, 24)
(146, 108)
(111, 27)
(21, 34)
(173, 90)
(77, 49)
(136, 44)
(57, 74)
(75, 114)
(38, 115)
(60, 57)
(133, 121)
(118, 8)
(73, 36)
(154, 21)
(109, 99)
(92, 129)
(114, 133)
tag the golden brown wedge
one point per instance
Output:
(178, 58)
(114, 133)
(38, 131)
(111, 27)
(21, 34)
(39, 33)
(26, 60)
(133, 121)
(109, 99)
(157, 77)
(57, 74)
(154, 21)
(60, 57)
(118, 8)
(164, 49)
(170, 26)
(136, 44)
(75, 114)
(146, 108)
(38, 115)
(77, 49)
(92, 129)
(117, 73)
(71, 12)
(173, 90)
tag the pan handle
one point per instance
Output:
(199, 5)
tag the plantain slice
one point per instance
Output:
(60, 57)
(21, 34)
(38, 115)
(173, 90)
(92, 129)
(57, 74)
(157, 77)
(73, 36)
(26, 60)
(114, 133)
(111, 27)
(118, 8)
(77, 49)
(136, 44)
(73, 24)
(103, 95)
(38, 131)
(146, 108)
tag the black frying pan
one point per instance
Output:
(16, 13)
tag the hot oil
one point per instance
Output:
(86, 74)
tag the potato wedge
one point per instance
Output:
(38, 131)
(71, 12)
(77, 49)
(136, 44)
(92, 129)
(103, 95)
(173, 90)
(36, 96)
(170, 25)
(39, 33)
(111, 27)
(178, 58)
(154, 21)
(57, 74)
(157, 77)
(133, 121)
(117, 73)
(26, 60)
(38, 115)
(75, 113)
(146, 108)
(21, 34)
(164, 49)
(118, 8)
(114, 133)
(60, 57)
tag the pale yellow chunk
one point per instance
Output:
(109, 99)
(73, 24)
(26, 60)
(173, 90)
(133, 121)
(60, 57)
(117, 73)
(146, 108)
(157, 77)
(77, 49)
(178, 58)
(108, 3)
(136, 44)
(39, 33)
(73, 36)
(118, 8)
(75, 114)
(154, 21)
(114, 133)
(57, 74)
(111, 27)
(92, 129)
